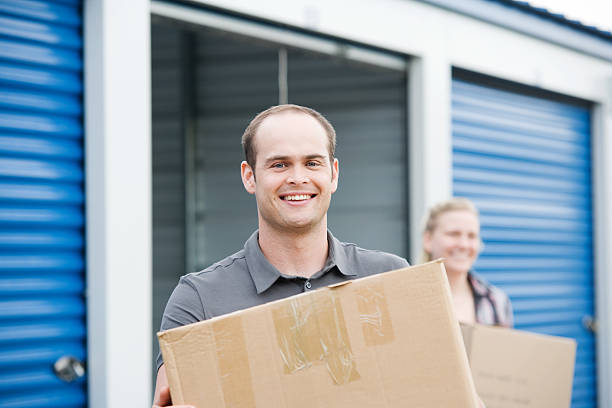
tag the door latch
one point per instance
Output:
(69, 368)
(590, 323)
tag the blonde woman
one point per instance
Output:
(452, 232)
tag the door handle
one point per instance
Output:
(69, 368)
(590, 323)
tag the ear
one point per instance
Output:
(335, 174)
(248, 177)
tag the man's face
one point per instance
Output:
(295, 179)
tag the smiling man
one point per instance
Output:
(291, 169)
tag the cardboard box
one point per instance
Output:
(516, 369)
(390, 340)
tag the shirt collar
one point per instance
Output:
(337, 256)
(264, 274)
(477, 284)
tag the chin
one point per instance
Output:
(458, 267)
(300, 225)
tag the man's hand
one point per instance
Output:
(162, 392)
(164, 400)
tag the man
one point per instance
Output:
(291, 169)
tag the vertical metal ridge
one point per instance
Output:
(189, 121)
(283, 86)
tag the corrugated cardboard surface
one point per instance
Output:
(515, 369)
(389, 340)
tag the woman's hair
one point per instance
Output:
(431, 220)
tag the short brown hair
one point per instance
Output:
(431, 220)
(248, 137)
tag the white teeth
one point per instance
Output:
(297, 197)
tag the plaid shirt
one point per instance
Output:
(493, 306)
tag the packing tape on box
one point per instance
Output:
(374, 315)
(312, 330)
(231, 355)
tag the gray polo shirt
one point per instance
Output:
(247, 279)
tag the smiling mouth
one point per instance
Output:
(298, 197)
(463, 257)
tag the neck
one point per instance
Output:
(463, 298)
(295, 253)
(458, 282)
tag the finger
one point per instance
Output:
(164, 399)
(173, 406)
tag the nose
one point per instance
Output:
(298, 175)
(463, 241)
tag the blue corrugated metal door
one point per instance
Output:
(525, 162)
(42, 308)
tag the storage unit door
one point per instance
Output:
(525, 162)
(367, 106)
(207, 85)
(42, 308)
(238, 77)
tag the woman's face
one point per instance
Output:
(455, 238)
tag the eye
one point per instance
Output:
(278, 165)
(312, 163)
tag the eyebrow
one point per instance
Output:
(285, 158)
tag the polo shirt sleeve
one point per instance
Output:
(183, 307)
(383, 262)
(400, 263)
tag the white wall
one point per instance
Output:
(118, 202)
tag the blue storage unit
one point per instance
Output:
(525, 160)
(42, 304)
